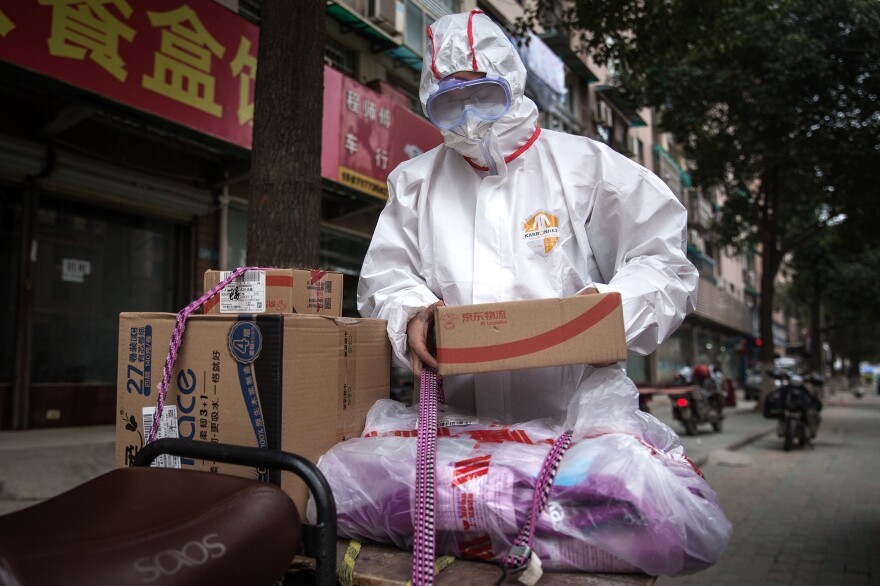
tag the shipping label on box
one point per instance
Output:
(276, 291)
(291, 382)
(246, 294)
(586, 329)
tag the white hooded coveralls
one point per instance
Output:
(454, 230)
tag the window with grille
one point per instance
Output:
(637, 148)
(339, 57)
(420, 14)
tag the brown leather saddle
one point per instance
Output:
(171, 527)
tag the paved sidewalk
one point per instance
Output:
(804, 517)
(41, 463)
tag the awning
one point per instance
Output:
(558, 40)
(98, 181)
(380, 41)
(621, 105)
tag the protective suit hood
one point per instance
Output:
(471, 41)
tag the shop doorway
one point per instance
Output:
(10, 263)
(90, 264)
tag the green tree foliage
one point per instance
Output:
(775, 102)
(834, 288)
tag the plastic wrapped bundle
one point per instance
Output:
(625, 497)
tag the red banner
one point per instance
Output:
(364, 155)
(367, 134)
(194, 62)
(373, 136)
(190, 61)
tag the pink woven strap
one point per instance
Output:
(177, 336)
(521, 551)
(426, 461)
(441, 394)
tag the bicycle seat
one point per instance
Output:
(153, 525)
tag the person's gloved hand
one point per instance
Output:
(420, 337)
(594, 291)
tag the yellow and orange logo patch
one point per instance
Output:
(541, 232)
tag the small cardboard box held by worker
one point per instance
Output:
(585, 329)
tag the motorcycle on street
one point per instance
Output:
(702, 403)
(795, 407)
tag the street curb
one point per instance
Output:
(700, 459)
(749, 439)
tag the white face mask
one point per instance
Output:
(473, 129)
(476, 139)
(481, 140)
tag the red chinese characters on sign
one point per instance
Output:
(190, 61)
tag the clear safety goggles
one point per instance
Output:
(486, 98)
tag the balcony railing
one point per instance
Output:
(719, 306)
(704, 264)
(700, 211)
(671, 172)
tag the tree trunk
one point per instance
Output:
(771, 259)
(769, 266)
(817, 362)
(284, 214)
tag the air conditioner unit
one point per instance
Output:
(602, 115)
(390, 15)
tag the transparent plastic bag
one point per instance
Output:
(625, 498)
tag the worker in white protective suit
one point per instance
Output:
(460, 221)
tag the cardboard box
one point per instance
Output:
(276, 291)
(291, 382)
(586, 329)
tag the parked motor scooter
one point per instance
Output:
(701, 403)
(795, 408)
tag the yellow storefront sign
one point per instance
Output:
(362, 183)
